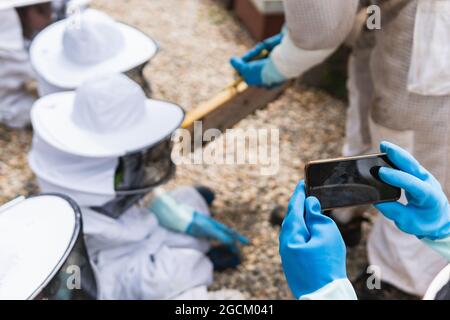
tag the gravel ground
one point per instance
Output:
(190, 68)
(196, 39)
(15, 176)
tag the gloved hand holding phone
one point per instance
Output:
(312, 250)
(256, 70)
(427, 212)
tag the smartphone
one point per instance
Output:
(347, 182)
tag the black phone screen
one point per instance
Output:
(349, 182)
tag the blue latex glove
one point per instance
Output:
(262, 72)
(206, 227)
(182, 218)
(312, 250)
(427, 213)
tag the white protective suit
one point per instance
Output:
(80, 141)
(402, 102)
(15, 72)
(342, 289)
(133, 257)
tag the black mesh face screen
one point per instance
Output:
(119, 205)
(143, 170)
(136, 175)
(444, 293)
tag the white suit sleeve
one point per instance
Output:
(169, 212)
(316, 28)
(15, 72)
(11, 38)
(174, 210)
(441, 246)
(340, 289)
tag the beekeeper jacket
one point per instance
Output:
(134, 258)
(15, 72)
(417, 122)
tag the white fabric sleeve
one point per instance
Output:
(320, 24)
(292, 61)
(169, 212)
(11, 37)
(441, 246)
(340, 289)
(316, 28)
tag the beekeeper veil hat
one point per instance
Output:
(86, 44)
(104, 142)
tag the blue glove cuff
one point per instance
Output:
(340, 289)
(441, 246)
(170, 214)
(270, 75)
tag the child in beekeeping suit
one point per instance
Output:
(107, 146)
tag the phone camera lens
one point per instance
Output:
(374, 172)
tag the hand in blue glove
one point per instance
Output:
(203, 226)
(259, 72)
(312, 250)
(182, 218)
(427, 213)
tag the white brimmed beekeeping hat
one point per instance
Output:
(85, 45)
(108, 116)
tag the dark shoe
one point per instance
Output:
(277, 216)
(385, 291)
(223, 257)
(351, 231)
(207, 194)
